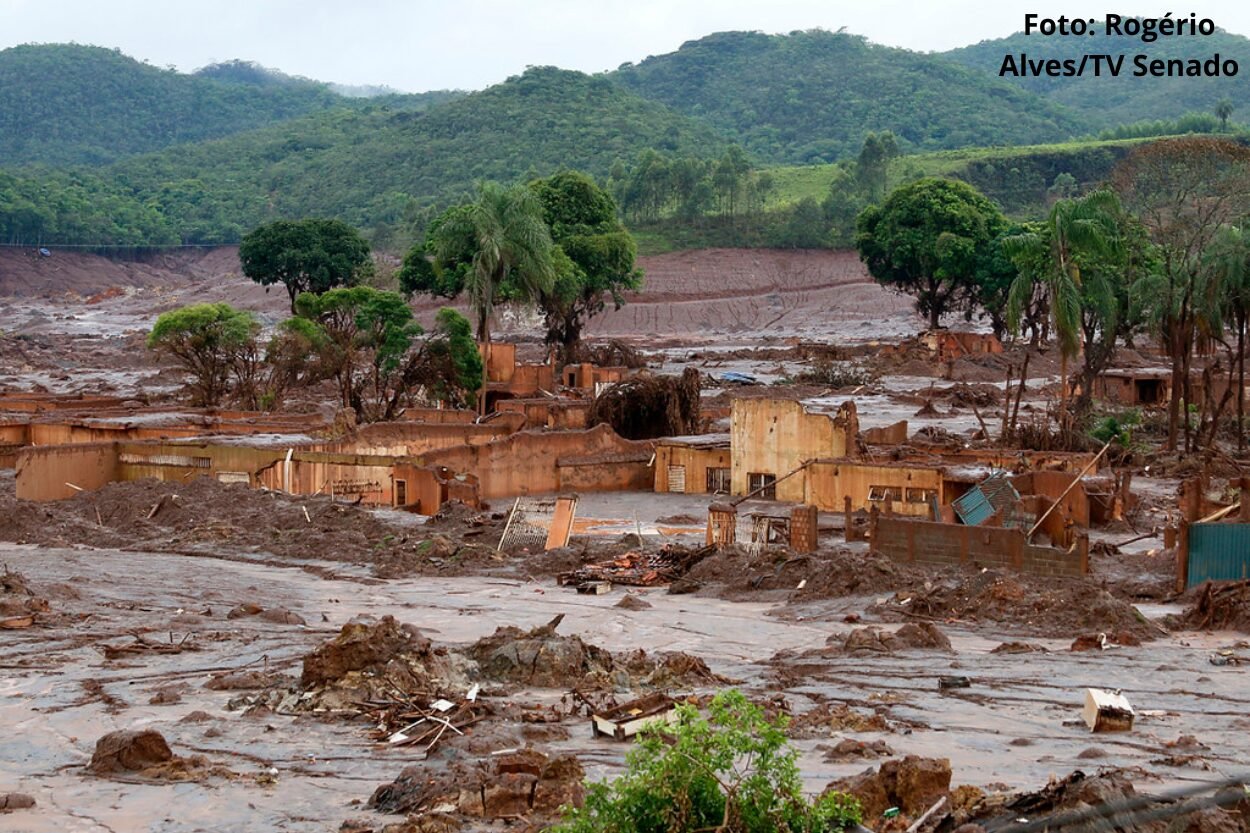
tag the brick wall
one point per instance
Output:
(939, 544)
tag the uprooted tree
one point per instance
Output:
(646, 406)
(732, 771)
(207, 341)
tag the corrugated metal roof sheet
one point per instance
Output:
(1219, 552)
(979, 503)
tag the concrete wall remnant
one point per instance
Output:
(943, 544)
(773, 437)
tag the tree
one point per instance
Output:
(1223, 109)
(731, 771)
(873, 166)
(596, 255)
(1228, 259)
(495, 248)
(1049, 259)
(305, 255)
(927, 239)
(206, 341)
(1183, 191)
(368, 344)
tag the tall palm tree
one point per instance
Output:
(1048, 258)
(502, 238)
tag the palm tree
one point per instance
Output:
(1048, 258)
(1223, 109)
(502, 239)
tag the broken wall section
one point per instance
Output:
(773, 437)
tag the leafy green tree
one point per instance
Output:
(311, 255)
(367, 333)
(598, 255)
(367, 341)
(496, 248)
(873, 166)
(448, 366)
(206, 341)
(731, 771)
(927, 239)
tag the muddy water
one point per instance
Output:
(52, 722)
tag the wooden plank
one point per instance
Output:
(561, 523)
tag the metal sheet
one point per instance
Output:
(979, 503)
(1218, 552)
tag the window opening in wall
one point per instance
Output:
(764, 483)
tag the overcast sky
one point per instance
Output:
(416, 45)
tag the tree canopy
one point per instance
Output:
(304, 255)
(597, 251)
(495, 248)
(206, 341)
(928, 239)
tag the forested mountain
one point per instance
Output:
(369, 165)
(66, 104)
(812, 96)
(1105, 101)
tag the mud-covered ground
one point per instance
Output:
(191, 609)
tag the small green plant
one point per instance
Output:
(1118, 427)
(732, 771)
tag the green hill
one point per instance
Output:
(371, 165)
(1104, 101)
(66, 105)
(812, 96)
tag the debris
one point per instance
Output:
(923, 635)
(1222, 606)
(912, 784)
(954, 682)
(143, 646)
(632, 602)
(129, 750)
(639, 569)
(646, 406)
(1107, 711)
(358, 647)
(595, 588)
(627, 719)
(523, 782)
(10, 802)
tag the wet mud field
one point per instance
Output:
(76, 677)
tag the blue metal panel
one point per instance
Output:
(976, 505)
(1218, 552)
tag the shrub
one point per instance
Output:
(731, 771)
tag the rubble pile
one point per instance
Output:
(912, 784)
(1045, 607)
(734, 573)
(19, 606)
(524, 783)
(640, 569)
(145, 754)
(1223, 606)
(204, 515)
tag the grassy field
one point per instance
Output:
(793, 183)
